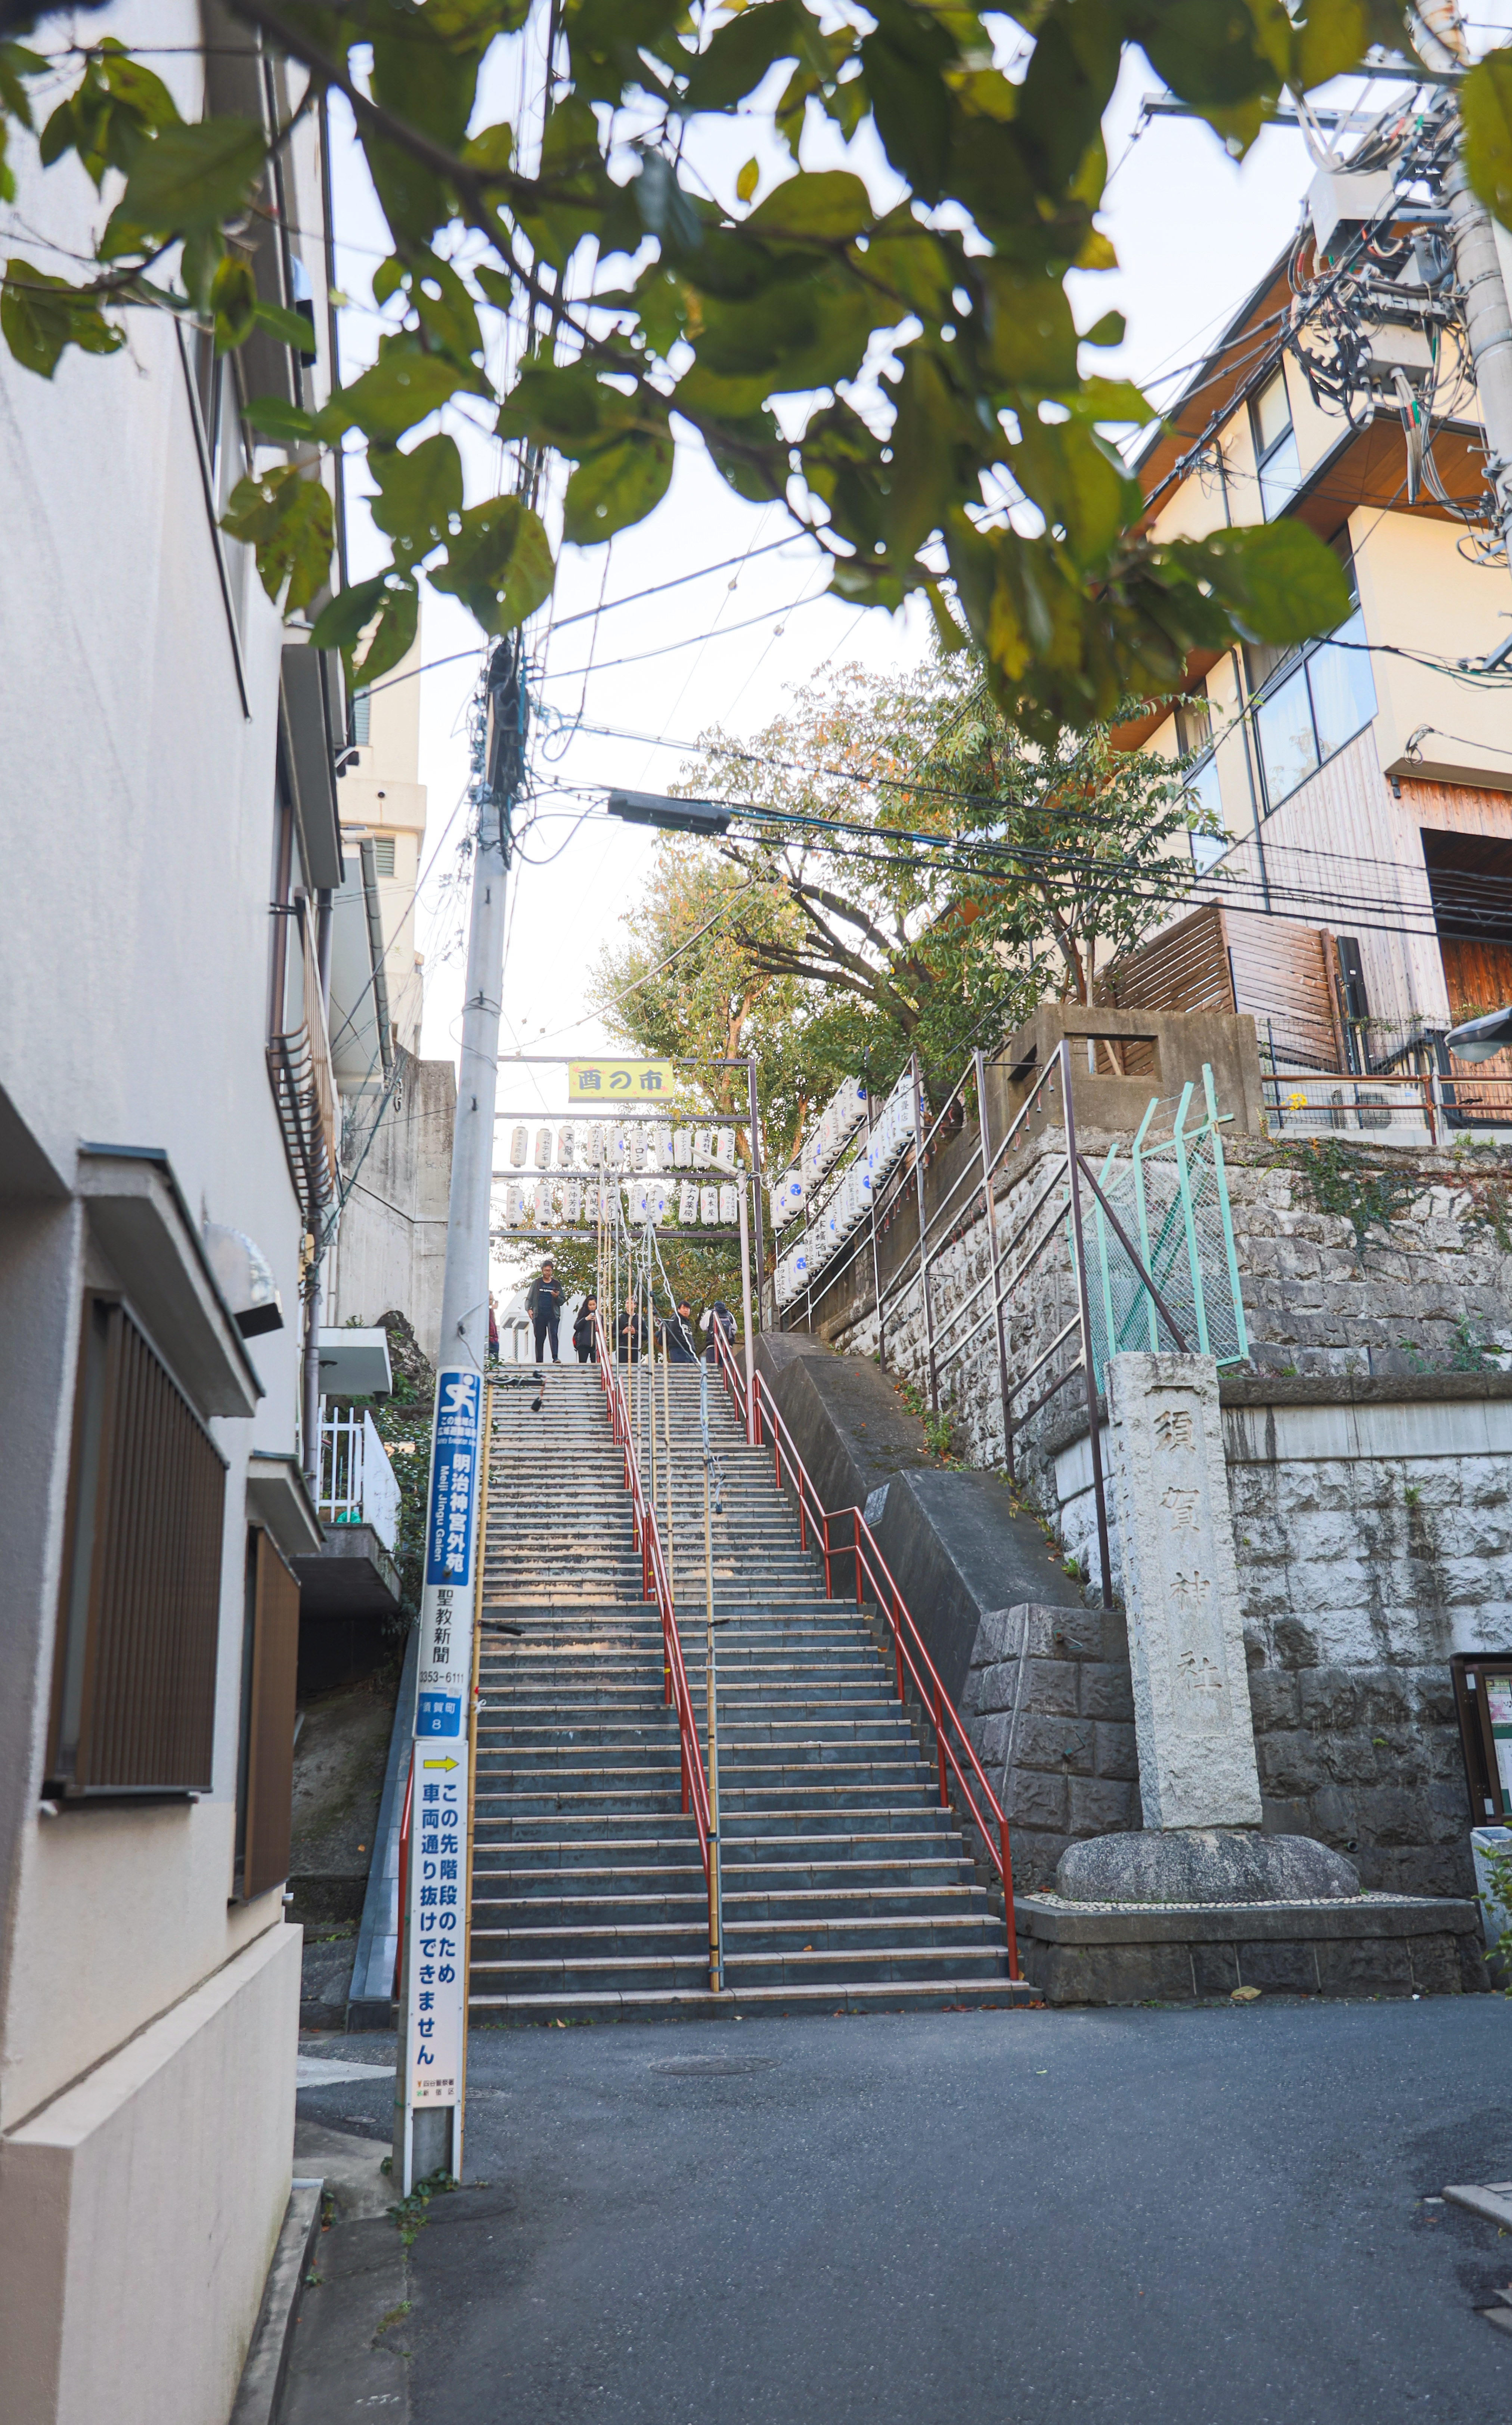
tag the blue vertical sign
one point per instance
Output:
(446, 1616)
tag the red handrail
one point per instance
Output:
(657, 1587)
(908, 1653)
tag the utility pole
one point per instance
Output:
(428, 2075)
(1441, 42)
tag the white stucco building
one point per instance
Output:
(169, 810)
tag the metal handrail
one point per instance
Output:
(657, 1587)
(870, 1562)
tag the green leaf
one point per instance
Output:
(191, 177)
(290, 327)
(286, 517)
(828, 203)
(947, 630)
(41, 315)
(234, 302)
(747, 180)
(1277, 580)
(401, 389)
(141, 94)
(15, 62)
(1486, 110)
(1110, 330)
(618, 485)
(287, 425)
(387, 609)
(418, 493)
(740, 55)
(499, 564)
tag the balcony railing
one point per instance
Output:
(304, 1090)
(358, 1485)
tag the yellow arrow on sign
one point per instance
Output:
(438, 1763)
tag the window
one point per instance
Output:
(1202, 784)
(1276, 455)
(264, 1774)
(140, 1611)
(1313, 709)
(1193, 732)
(361, 717)
(383, 854)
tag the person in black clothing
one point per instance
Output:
(677, 1337)
(718, 1312)
(544, 1307)
(630, 1333)
(583, 1329)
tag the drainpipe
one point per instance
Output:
(375, 944)
(314, 1293)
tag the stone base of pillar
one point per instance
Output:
(1204, 1865)
(1182, 1954)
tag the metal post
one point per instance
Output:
(756, 1183)
(666, 1431)
(1084, 1315)
(923, 1256)
(1221, 1174)
(877, 1268)
(745, 1308)
(711, 1680)
(428, 2070)
(979, 1058)
(1183, 1182)
(1142, 1215)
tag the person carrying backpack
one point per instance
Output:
(583, 1329)
(544, 1305)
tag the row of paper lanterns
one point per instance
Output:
(592, 1145)
(529, 1203)
(850, 1202)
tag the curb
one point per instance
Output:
(260, 2392)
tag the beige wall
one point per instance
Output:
(382, 794)
(139, 2211)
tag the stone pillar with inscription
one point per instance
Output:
(1187, 1652)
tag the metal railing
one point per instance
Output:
(657, 1587)
(304, 1086)
(954, 1754)
(358, 1485)
(1149, 1246)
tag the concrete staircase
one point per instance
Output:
(845, 1884)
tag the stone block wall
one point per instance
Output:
(1050, 1711)
(1369, 1480)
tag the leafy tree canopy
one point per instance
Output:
(893, 369)
(909, 875)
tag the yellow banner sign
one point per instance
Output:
(598, 1082)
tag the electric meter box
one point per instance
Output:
(1483, 1699)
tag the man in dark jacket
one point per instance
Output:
(544, 1307)
(677, 1336)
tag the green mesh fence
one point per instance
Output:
(1171, 1201)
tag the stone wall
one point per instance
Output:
(1050, 1711)
(1369, 1481)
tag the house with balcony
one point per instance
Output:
(1356, 895)
(168, 1141)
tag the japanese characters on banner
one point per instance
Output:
(438, 1960)
(446, 1611)
(434, 1923)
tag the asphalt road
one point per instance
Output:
(1204, 2218)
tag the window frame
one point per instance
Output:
(139, 1601)
(1301, 661)
(1266, 452)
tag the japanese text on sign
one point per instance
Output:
(438, 1945)
(592, 1081)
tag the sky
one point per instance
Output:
(1193, 232)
